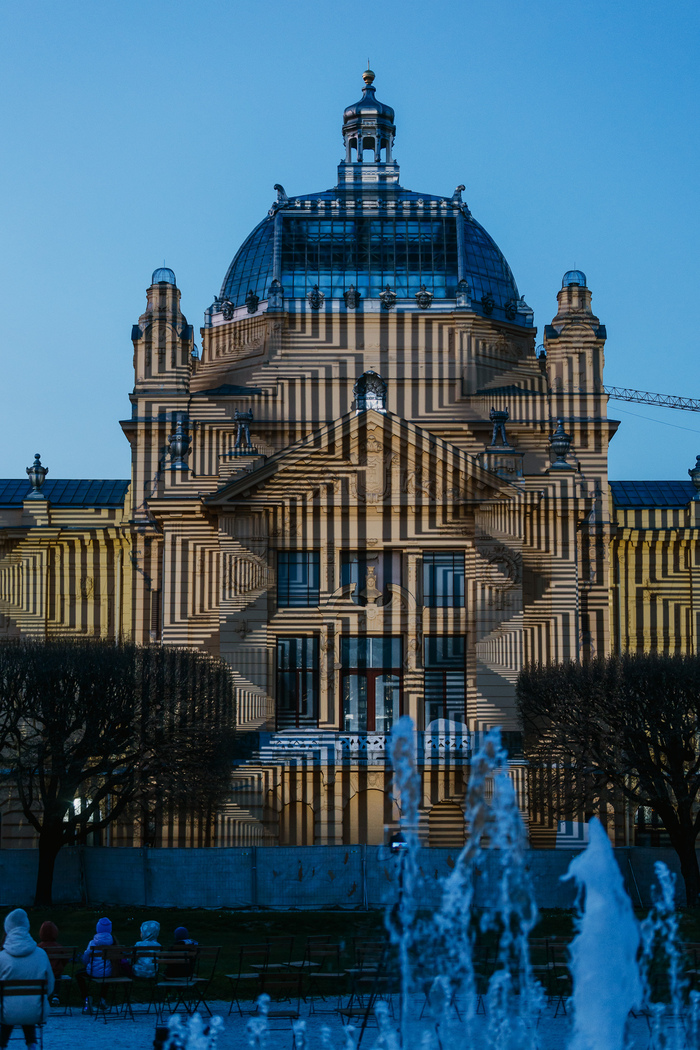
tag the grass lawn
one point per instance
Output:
(229, 929)
(233, 929)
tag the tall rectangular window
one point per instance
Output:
(443, 579)
(298, 578)
(369, 573)
(297, 682)
(372, 679)
(445, 677)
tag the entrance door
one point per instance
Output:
(371, 683)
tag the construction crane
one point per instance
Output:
(641, 397)
(645, 397)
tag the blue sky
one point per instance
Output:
(139, 132)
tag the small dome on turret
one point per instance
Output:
(164, 275)
(574, 277)
(368, 105)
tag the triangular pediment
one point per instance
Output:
(369, 458)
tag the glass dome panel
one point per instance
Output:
(404, 251)
(573, 277)
(163, 275)
(251, 269)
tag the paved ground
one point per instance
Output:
(71, 1033)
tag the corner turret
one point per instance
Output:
(163, 340)
(574, 299)
(574, 342)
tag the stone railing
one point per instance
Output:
(328, 747)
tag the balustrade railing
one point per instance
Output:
(342, 746)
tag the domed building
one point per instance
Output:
(372, 493)
(359, 494)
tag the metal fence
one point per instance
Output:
(289, 877)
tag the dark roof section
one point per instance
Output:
(652, 493)
(66, 493)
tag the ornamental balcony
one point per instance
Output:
(325, 747)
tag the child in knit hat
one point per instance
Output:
(182, 937)
(94, 965)
(182, 942)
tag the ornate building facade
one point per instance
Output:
(372, 493)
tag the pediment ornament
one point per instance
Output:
(499, 568)
(501, 347)
(372, 444)
(371, 483)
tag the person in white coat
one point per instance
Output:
(22, 960)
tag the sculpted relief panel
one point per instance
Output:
(243, 338)
(499, 571)
(381, 472)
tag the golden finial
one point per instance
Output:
(368, 75)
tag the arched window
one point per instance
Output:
(370, 392)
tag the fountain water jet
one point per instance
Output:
(607, 983)
(660, 934)
(514, 998)
(439, 954)
(604, 966)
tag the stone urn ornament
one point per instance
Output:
(179, 447)
(695, 477)
(37, 476)
(424, 298)
(315, 298)
(487, 304)
(275, 296)
(387, 298)
(251, 301)
(560, 443)
(352, 298)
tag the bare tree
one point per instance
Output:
(98, 733)
(13, 672)
(630, 724)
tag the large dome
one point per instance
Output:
(368, 232)
(333, 243)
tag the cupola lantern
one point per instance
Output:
(368, 134)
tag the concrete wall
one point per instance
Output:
(289, 877)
